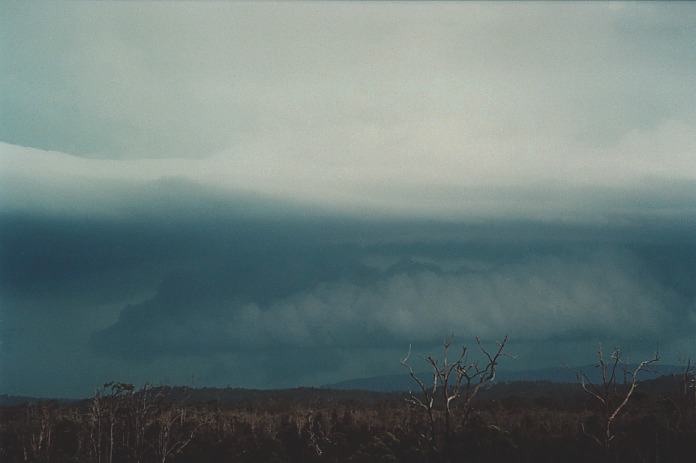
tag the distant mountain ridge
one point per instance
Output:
(403, 383)
(522, 382)
(7, 400)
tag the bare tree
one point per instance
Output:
(475, 377)
(37, 439)
(453, 380)
(686, 399)
(174, 433)
(117, 403)
(142, 409)
(95, 419)
(612, 396)
(688, 385)
(427, 395)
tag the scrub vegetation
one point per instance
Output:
(459, 414)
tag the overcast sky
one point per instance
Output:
(277, 194)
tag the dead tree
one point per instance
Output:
(175, 432)
(686, 399)
(427, 399)
(688, 385)
(474, 377)
(105, 418)
(142, 410)
(610, 394)
(37, 439)
(452, 380)
(116, 404)
(96, 414)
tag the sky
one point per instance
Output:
(283, 194)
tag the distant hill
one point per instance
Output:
(544, 381)
(13, 400)
(227, 396)
(403, 383)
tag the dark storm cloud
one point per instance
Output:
(191, 306)
(184, 281)
(596, 291)
(273, 194)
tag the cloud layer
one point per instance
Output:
(429, 109)
(281, 194)
(598, 295)
(217, 295)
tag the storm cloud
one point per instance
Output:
(283, 194)
(322, 299)
(601, 295)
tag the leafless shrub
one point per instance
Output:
(689, 384)
(685, 402)
(459, 380)
(610, 394)
(38, 436)
(174, 433)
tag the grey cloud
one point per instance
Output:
(41, 183)
(602, 294)
(164, 296)
(200, 189)
(130, 80)
(447, 111)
